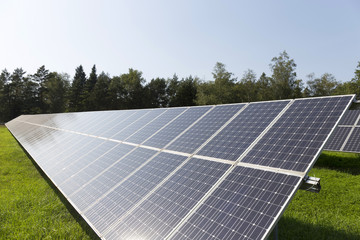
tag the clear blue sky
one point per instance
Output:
(163, 37)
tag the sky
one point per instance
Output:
(166, 37)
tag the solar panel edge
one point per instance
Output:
(281, 212)
(38, 166)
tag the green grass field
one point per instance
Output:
(32, 208)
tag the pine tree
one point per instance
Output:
(76, 95)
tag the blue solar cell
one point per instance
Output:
(233, 140)
(296, 138)
(94, 168)
(108, 210)
(244, 206)
(205, 128)
(130, 117)
(349, 117)
(353, 144)
(83, 161)
(99, 185)
(337, 138)
(138, 124)
(167, 134)
(157, 216)
(155, 125)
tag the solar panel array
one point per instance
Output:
(346, 137)
(219, 172)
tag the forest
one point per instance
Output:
(51, 92)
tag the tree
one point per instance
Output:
(345, 88)
(133, 88)
(15, 92)
(323, 86)
(221, 90)
(117, 93)
(4, 95)
(171, 88)
(224, 84)
(100, 92)
(247, 88)
(283, 76)
(186, 92)
(89, 101)
(356, 81)
(76, 95)
(264, 88)
(156, 93)
(57, 86)
(39, 78)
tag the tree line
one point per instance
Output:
(52, 92)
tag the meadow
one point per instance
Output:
(32, 208)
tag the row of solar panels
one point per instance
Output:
(346, 137)
(220, 172)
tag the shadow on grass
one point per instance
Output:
(79, 219)
(343, 162)
(290, 228)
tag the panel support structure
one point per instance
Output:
(311, 184)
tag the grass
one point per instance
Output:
(32, 208)
(334, 213)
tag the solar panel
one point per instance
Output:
(337, 139)
(296, 138)
(232, 141)
(224, 172)
(159, 214)
(173, 129)
(151, 128)
(346, 136)
(243, 206)
(353, 144)
(205, 128)
(350, 118)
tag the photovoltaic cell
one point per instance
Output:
(344, 133)
(233, 140)
(108, 210)
(127, 119)
(202, 130)
(83, 161)
(337, 138)
(349, 117)
(154, 126)
(353, 144)
(139, 123)
(99, 185)
(243, 207)
(295, 139)
(94, 168)
(167, 134)
(156, 217)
